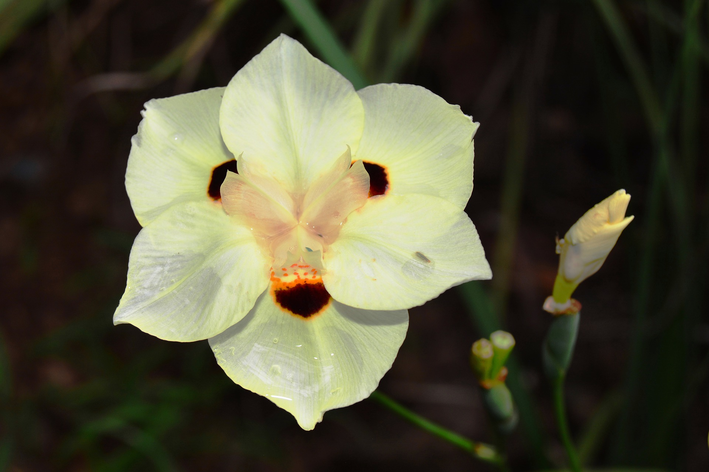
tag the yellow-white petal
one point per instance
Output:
(309, 366)
(290, 115)
(193, 272)
(400, 251)
(172, 156)
(424, 143)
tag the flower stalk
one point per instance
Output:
(478, 450)
(563, 425)
(557, 353)
(583, 250)
(558, 348)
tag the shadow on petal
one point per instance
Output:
(372, 317)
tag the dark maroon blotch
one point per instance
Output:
(378, 179)
(304, 300)
(218, 176)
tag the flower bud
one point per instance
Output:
(487, 359)
(502, 345)
(586, 245)
(481, 356)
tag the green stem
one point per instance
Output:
(321, 34)
(198, 42)
(511, 201)
(562, 423)
(363, 50)
(405, 44)
(636, 68)
(482, 451)
(501, 446)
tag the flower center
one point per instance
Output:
(296, 228)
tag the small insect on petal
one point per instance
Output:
(420, 256)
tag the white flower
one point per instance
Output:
(586, 245)
(347, 210)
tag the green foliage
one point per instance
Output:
(16, 15)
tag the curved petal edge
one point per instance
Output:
(398, 252)
(192, 273)
(308, 367)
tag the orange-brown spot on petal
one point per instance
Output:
(218, 176)
(301, 296)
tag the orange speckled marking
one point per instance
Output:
(300, 291)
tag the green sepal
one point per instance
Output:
(481, 356)
(559, 345)
(502, 345)
(501, 407)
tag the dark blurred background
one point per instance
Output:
(576, 99)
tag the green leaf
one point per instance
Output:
(321, 34)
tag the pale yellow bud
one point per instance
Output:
(584, 248)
